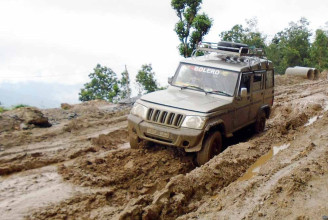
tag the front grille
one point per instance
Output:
(164, 117)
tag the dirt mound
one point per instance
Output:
(22, 118)
(324, 75)
(65, 106)
(137, 170)
(284, 80)
(133, 176)
(111, 140)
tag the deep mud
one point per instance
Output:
(279, 174)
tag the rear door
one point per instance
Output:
(257, 93)
(269, 88)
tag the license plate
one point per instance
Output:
(158, 133)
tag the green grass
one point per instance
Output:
(19, 106)
(3, 109)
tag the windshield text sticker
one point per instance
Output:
(207, 70)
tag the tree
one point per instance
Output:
(249, 35)
(319, 50)
(103, 85)
(291, 46)
(146, 79)
(191, 27)
(125, 85)
(236, 34)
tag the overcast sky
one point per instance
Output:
(61, 41)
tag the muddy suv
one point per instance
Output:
(209, 97)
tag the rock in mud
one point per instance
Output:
(22, 119)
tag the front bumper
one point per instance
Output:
(189, 139)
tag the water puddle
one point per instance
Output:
(311, 121)
(255, 167)
(326, 107)
(22, 192)
(124, 146)
(280, 148)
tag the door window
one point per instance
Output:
(257, 81)
(245, 83)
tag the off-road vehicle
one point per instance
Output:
(210, 96)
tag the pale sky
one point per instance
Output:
(61, 41)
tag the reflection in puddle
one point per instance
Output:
(255, 168)
(282, 147)
(311, 121)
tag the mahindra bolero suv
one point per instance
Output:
(210, 96)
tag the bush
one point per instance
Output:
(3, 109)
(19, 106)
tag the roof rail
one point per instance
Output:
(242, 50)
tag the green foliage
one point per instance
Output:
(3, 109)
(125, 85)
(236, 34)
(103, 85)
(146, 79)
(191, 27)
(19, 106)
(249, 35)
(319, 50)
(291, 47)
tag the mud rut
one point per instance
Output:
(88, 171)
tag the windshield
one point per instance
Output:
(209, 79)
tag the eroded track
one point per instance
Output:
(101, 178)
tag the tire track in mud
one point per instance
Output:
(64, 137)
(278, 178)
(184, 192)
(16, 162)
(130, 173)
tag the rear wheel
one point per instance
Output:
(212, 146)
(260, 122)
(134, 141)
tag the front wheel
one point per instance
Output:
(212, 146)
(134, 142)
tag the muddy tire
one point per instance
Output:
(260, 123)
(212, 146)
(134, 142)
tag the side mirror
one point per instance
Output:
(169, 80)
(243, 93)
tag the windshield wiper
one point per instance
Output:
(220, 92)
(195, 87)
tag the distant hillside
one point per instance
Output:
(39, 94)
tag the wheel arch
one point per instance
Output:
(215, 126)
(266, 109)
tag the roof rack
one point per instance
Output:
(229, 49)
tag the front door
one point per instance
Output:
(242, 105)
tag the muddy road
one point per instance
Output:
(82, 166)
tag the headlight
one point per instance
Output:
(196, 122)
(139, 110)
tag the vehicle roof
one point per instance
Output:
(215, 61)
